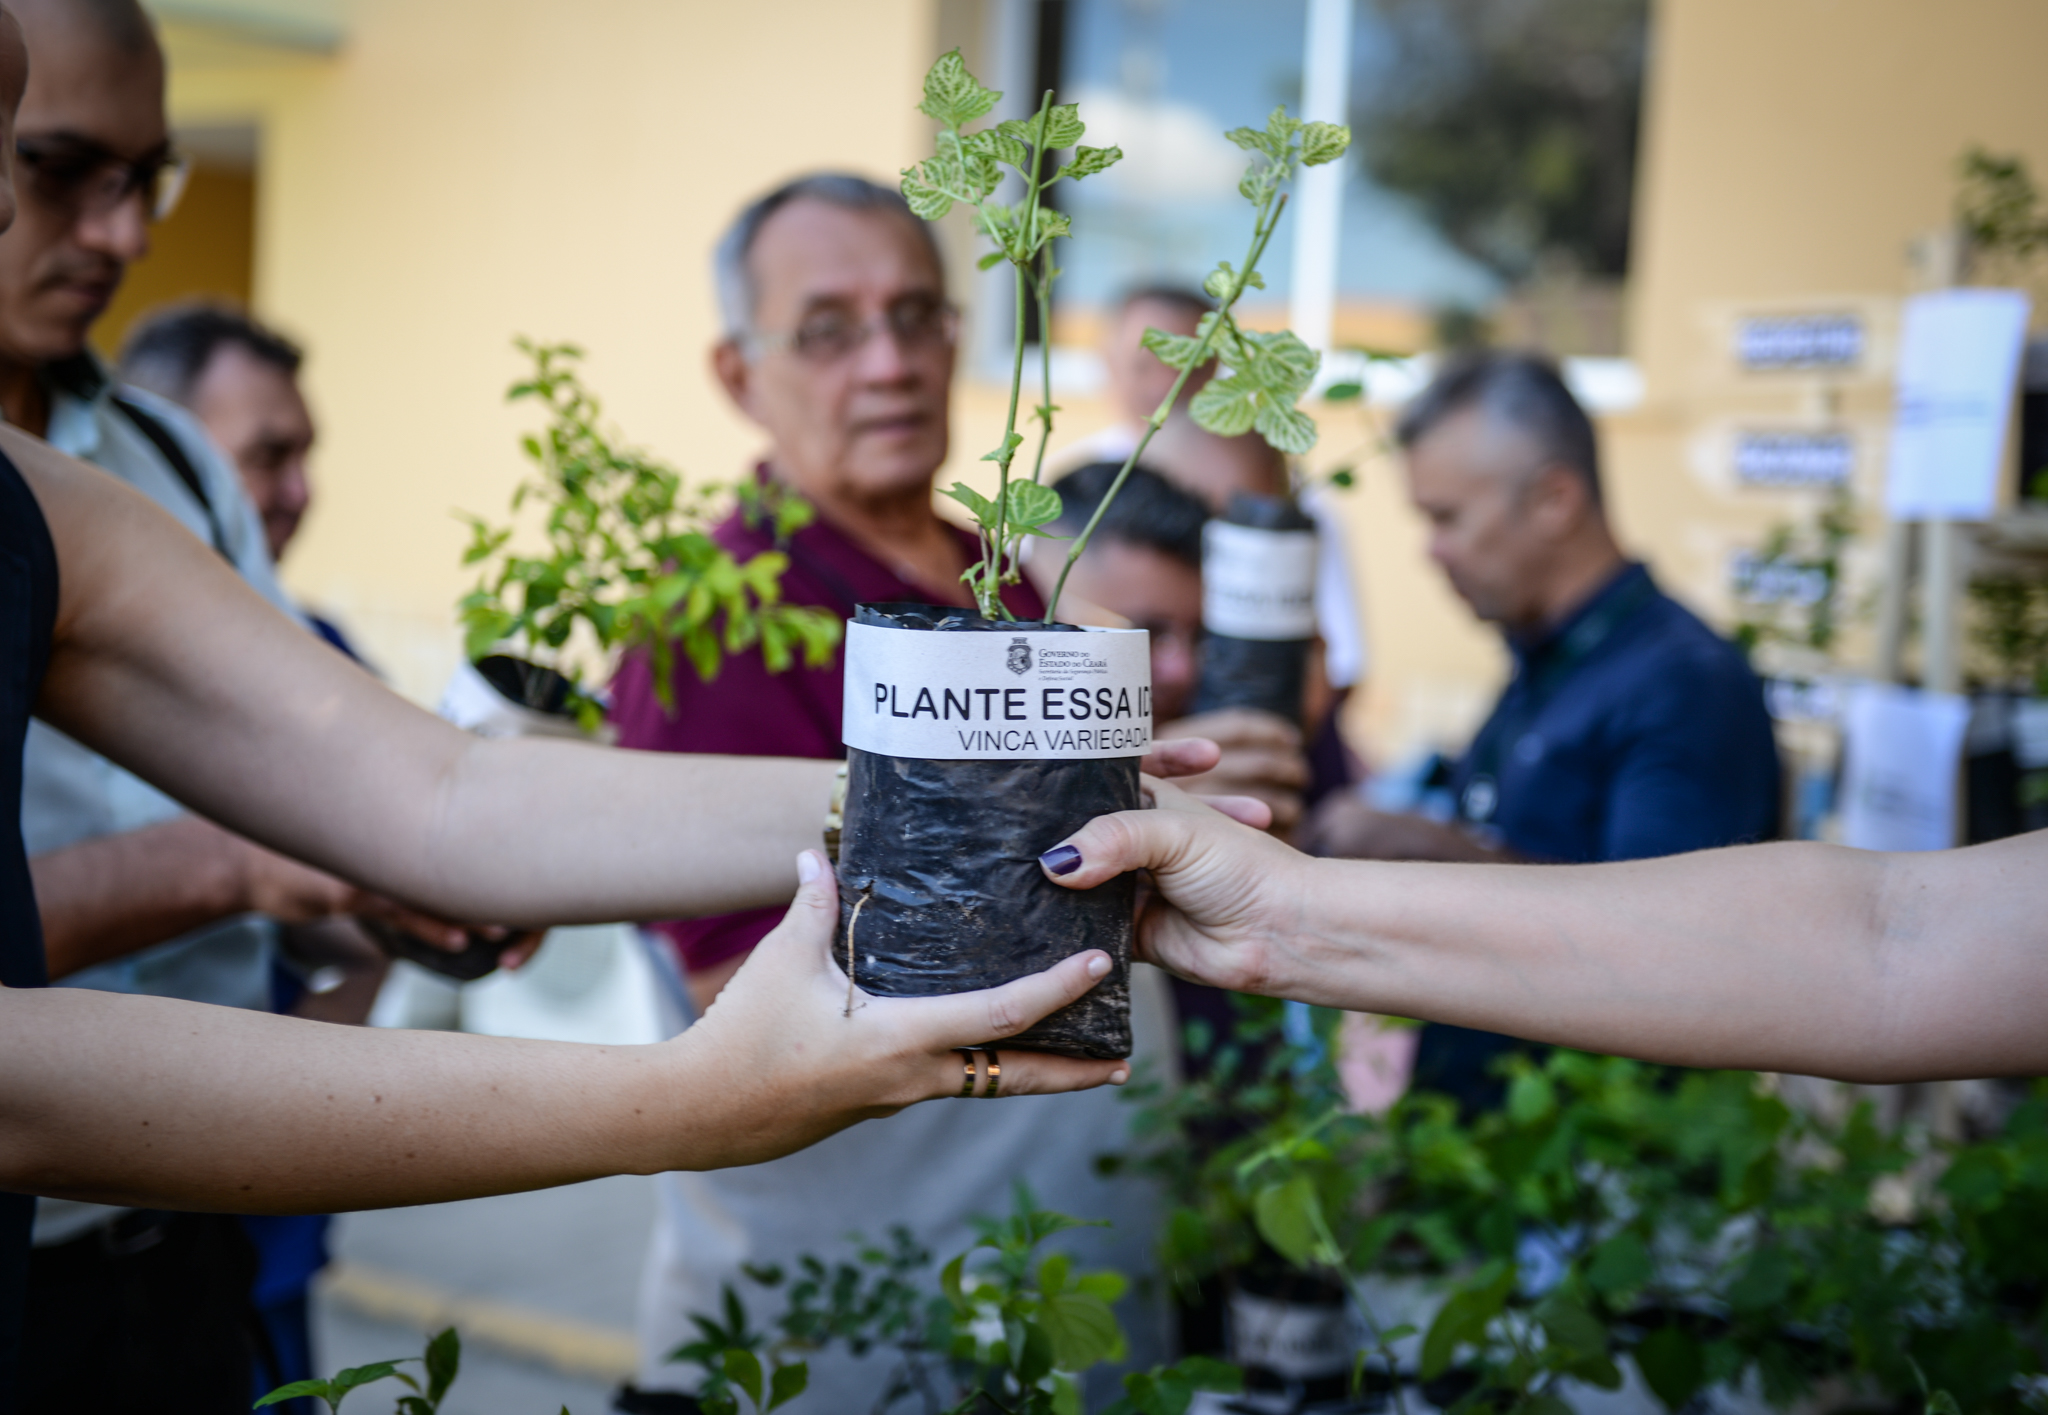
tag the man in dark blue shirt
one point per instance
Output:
(1630, 729)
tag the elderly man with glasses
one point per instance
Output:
(839, 345)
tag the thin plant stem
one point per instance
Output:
(1045, 408)
(990, 591)
(1334, 1255)
(1042, 285)
(1262, 232)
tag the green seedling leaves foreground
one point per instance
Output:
(1005, 1326)
(1607, 1212)
(1264, 374)
(629, 561)
(442, 1362)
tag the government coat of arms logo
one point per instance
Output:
(1019, 661)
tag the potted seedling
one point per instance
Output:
(975, 741)
(628, 565)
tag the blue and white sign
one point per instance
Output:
(1959, 358)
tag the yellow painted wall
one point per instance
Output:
(467, 170)
(1793, 150)
(207, 247)
(461, 171)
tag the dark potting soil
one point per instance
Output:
(478, 956)
(527, 684)
(1268, 674)
(941, 858)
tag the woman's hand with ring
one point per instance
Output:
(781, 1062)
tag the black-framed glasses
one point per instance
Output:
(915, 322)
(92, 180)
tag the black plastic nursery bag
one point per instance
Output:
(1258, 606)
(974, 745)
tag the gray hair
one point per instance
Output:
(169, 350)
(729, 261)
(1521, 391)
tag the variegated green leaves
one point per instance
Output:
(1264, 377)
(1283, 144)
(967, 168)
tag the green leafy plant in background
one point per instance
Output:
(1691, 1223)
(1002, 1327)
(1265, 375)
(629, 560)
(1998, 206)
(2009, 627)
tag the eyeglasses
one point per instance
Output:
(918, 323)
(90, 180)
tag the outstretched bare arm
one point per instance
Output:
(1804, 958)
(170, 665)
(172, 1104)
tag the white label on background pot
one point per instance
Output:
(1293, 1340)
(1258, 584)
(994, 696)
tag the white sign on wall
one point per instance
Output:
(1794, 458)
(1770, 342)
(1959, 355)
(1901, 752)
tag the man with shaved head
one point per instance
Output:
(1629, 730)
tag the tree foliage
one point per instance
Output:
(1513, 123)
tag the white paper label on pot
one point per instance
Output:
(996, 696)
(1258, 584)
(1293, 1340)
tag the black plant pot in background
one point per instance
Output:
(506, 697)
(529, 685)
(1292, 1331)
(938, 856)
(1258, 606)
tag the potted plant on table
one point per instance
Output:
(974, 741)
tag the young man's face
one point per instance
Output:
(91, 129)
(254, 412)
(1138, 381)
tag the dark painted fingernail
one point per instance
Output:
(1061, 859)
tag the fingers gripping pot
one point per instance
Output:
(973, 745)
(1258, 606)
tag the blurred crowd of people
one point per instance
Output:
(1629, 729)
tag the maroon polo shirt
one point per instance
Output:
(748, 711)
